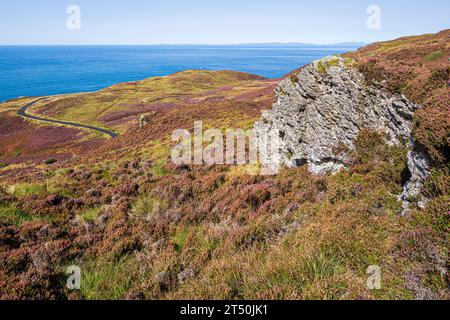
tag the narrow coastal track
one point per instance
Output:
(23, 113)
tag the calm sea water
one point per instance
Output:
(39, 70)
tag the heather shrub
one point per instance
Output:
(255, 195)
(372, 154)
(438, 183)
(125, 245)
(424, 245)
(435, 216)
(423, 83)
(431, 130)
(126, 189)
(370, 146)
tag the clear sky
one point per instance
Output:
(216, 21)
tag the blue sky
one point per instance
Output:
(216, 21)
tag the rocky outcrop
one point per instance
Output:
(322, 109)
(418, 165)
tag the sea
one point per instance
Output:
(47, 70)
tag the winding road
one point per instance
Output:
(23, 113)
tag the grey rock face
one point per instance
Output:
(324, 107)
(418, 165)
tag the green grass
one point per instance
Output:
(433, 56)
(158, 152)
(322, 264)
(394, 44)
(50, 161)
(3, 165)
(179, 239)
(159, 169)
(13, 215)
(27, 189)
(333, 62)
(321, 68)
(16, 153)
(348, 62)
(147, 205)
(106, 280)
(58, 184)
(90, 214)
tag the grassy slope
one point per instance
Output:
(142, 228)
(29, 141)
(119, 108)
(117, 105)
(419, 68)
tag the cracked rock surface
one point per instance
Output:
(324, 107)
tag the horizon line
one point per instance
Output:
(189, 44)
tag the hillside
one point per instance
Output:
(141, 227)
(170, 102)
(417, 67)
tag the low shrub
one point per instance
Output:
(50, 161)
